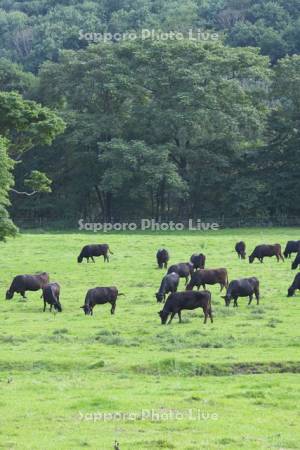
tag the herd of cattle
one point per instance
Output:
(193, 272)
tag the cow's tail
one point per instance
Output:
(227, 282)
(110, 251)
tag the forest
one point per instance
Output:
(148, 127)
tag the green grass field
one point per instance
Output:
(233, 384)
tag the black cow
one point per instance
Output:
(294, 286)
(162, 257)
(186, 300)
(89, 251)
(291, 247)
(296, 261)
(240, 248)
(184, 270)
(261, 251)
(208, 276)
(100, 296)
(168, 285)
(50, 295)
(245, 287)
(23, 283)
(198, 260)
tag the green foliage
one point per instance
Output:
(7, 228)
(26, 123)
(38, 182)
(206, 114)
(146, 120)
(33, 32)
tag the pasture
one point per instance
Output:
(233, 384)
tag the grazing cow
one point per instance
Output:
(100, 296)
(294, 286)
(245, 287)
(296, 261)
(240, 248)
(186, 300)
(208, 276)
(184, 270)
(198, 261)
(162, 257)
(291, 247)
(50, 295)
(89, 251)
(169, 284)
(261, 251)
(23, 283)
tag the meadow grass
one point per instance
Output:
(233, 384)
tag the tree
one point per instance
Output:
(281, 159)
(7, 228)
(201, 104)
(23, 124)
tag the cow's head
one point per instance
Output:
(87, 309)
(9, 295)
(227, 299)
(295, 264)
(251, 259)
(159, 297)
(163, 316)
(57, 306)
(291, 292)
(79, 259)
(243, 255)
(285, 254)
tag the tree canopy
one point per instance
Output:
(149, 127)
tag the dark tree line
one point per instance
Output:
(145, 128)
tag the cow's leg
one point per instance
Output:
(204, 286)
(210, 314)
(171, 318)
(23, 294)
(205, 314)
(277, 257)
(198, 287)
(221, 287)
(235, 303)
(186, 280)
(113, 307)
(179, 316)
(93, 259)
(250, 299)
(282, 258)
(51, 307)
(261, 260)
(44, 306)
(256, 292)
